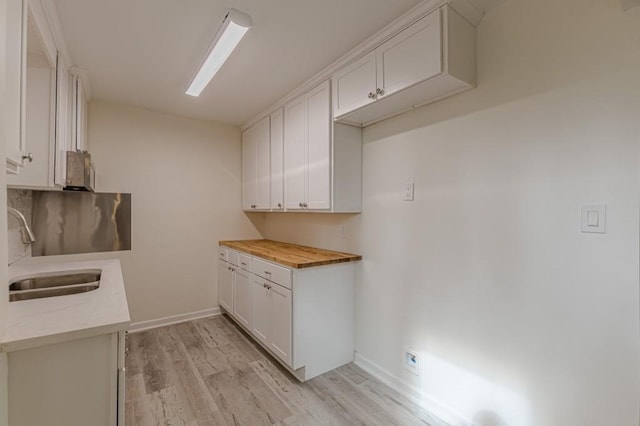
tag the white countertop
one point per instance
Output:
(38, 322)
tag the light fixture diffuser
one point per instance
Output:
(234, 26)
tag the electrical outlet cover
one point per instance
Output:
(412, 361)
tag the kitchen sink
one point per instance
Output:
(54, 284)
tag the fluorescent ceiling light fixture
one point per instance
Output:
(234, 26)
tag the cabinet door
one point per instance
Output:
(249, 156)
(63, 119)
(79, 114)
(263, 163)
(261, 321)
(412, 56)
(255, 166)
(354, 86)
(242, 297)
(280, 341)
(73, 382)
(225, 286)
(295, 154)
(39, 131)
(14, 34)
(277, 160)
(318, 103)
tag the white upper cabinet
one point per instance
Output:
(318, 106)
(295, 154)
(39, 101)
(44, 120)
(79, 111)
(256, 177)
(277, 160)
(15, 38)
(355, 85)
(322, 161)
(64, 120)
(431, 59)
(308, 151)
(410, 57)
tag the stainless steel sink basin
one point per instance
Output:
(54, 284)
(56, 279)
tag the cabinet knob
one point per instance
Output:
(253, 206)
(29, 157)
(372, 95)
(300, 204)
(279, 205)
(304, 205)
(380, 92)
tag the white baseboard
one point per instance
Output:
(412, 393)
(174, 319)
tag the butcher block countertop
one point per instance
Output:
(291, 255)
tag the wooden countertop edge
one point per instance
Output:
(296, 265)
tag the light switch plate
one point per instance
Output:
(408, 191)
(594, 218)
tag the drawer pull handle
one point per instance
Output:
(267, 273)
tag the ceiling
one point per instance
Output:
(144, 52)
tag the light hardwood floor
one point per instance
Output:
(208, 372)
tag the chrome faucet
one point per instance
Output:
(25, 231)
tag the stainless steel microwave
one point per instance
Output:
(81, 175)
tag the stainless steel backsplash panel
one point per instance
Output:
(70, 222)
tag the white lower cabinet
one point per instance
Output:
(272, 317)
(242, 297)
(234, 285)
(303, 317)
(225, 285)
(280, 341)
(74, 383)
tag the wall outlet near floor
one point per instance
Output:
(412, 361)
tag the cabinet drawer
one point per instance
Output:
(245, 262)
(233, 257)
(222, 253)
(277, 274)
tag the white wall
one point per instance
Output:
(184, 177)
(520, 318)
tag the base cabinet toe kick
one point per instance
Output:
(304, 317)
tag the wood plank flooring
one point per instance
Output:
(208, 372)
